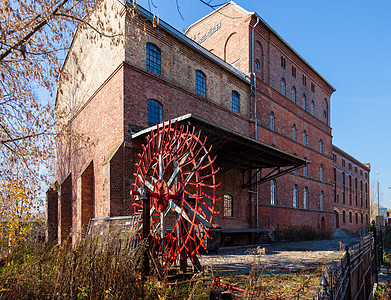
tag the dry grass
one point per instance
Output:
(109, 268)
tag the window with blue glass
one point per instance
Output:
(200, 86)
(235, 102)
(154, 112)
(283, 87)
(153, 59)
(272, 121)
(273, 190)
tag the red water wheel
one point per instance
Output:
(176, 169)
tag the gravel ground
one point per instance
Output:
(278, 257)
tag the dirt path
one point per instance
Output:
(278, 257)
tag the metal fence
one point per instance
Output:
(354, 276)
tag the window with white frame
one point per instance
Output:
(295, 196)
(306, 197)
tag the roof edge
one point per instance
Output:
(363, 165)
(197, 47)
(293, 50)
(216, 10)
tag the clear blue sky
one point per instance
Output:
(349, 43)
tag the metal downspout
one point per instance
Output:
(254, 90)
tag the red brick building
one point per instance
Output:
(351, 191)
(234, 74)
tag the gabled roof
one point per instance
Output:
(221, 7)
(263, 22)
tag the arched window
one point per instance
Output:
(228, 205)
(312, 108)
(343, 217)
(304, 101)
(305, 169)
(305, 138)
(235, 102)
(350, 217)
(153, 59)
(325, 112)
(283, 89)
(294, 132)
(295, 196)
(305, 197)
(231, 55)
(257, 64)
(356, 218)
(321, 200)
(362, 218)
(366, 219)
(272, 121)
(320, 146)
(154, 113)
(200, 86)
(273, 189)
(334, 175)
(293, 94)
(321, 173)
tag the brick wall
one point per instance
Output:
(102, 156)
(344, 164)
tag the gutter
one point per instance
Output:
(254, 90)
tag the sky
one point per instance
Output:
(348, 43)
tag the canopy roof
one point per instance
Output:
(234, 150)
